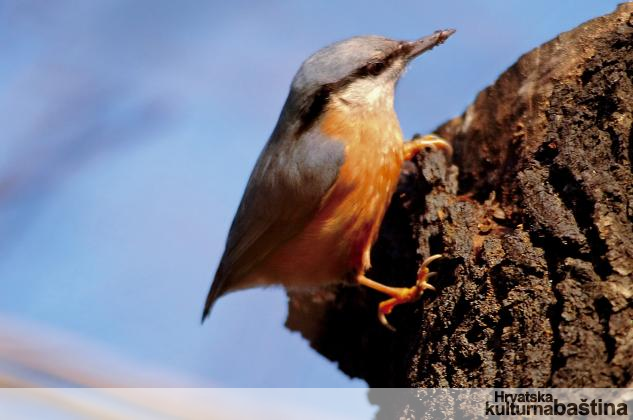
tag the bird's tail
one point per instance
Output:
(217, 289)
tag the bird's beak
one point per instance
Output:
(428, 42)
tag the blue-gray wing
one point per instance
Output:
(286, 188)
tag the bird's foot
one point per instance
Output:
(400, 295)
(430, 141)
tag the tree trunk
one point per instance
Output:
(536, 287)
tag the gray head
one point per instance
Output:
(359, 70)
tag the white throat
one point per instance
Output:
(367, 93)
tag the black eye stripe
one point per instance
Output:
(313, 110)
(374, 69)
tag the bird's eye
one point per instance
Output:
(375, 68)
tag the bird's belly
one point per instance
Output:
(336, 242)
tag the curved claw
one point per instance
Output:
(423, 279)
(431, 141)
(424, 275)
(425, 286)
(438, 143)
(384, 308)
(430, 259)
(383, 321)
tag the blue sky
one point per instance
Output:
(128, 133)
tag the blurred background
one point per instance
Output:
(128, 132)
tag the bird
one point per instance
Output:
(315, 200)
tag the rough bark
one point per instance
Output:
(536, 289)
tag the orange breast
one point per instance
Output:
(339, 237)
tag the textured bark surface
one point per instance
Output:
(537, 228)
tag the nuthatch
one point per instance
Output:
(320, 188)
